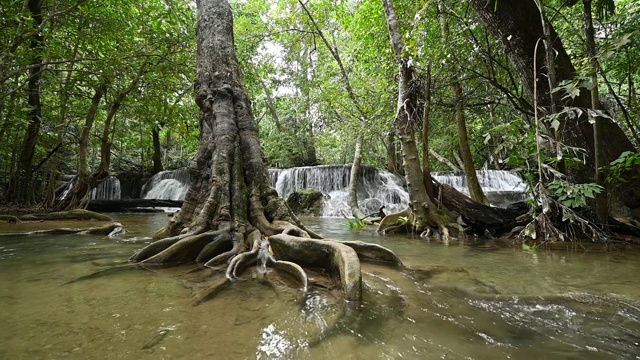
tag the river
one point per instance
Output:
(464, 301)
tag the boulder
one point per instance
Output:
(306, 202)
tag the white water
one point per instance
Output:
(167, 185)
(375, 187)
(501, 187)
(109, 189)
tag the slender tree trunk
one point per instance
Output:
(443, 160)
(426, 127)
(86, 129)
(353, 180)
(465, 150)
(424, 215)
(157, 150)
(23, 182)
(602, 205)
(272, 107)
(392, 160)
(50, 194)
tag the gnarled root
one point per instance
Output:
(76, 214)
(287, 251)
(293, 269)
(10, 219)
(96, 230)
(374, 253)
(242, 261)
(176, 250)
(339, 259)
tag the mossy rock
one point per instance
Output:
(306, 202)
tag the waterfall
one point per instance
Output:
(71, 182)
(375, 187)
(108, 189)
(501, 187)
(167, 185)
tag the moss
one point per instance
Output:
(306, 202)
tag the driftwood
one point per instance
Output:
(482, 219)
(128, 204)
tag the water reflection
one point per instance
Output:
(477, 301)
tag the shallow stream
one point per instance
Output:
(460, 301)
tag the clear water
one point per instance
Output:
(462, 302)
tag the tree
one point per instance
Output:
(424, 213)
(511, 22)
(231, 205)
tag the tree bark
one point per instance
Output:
(353, 180)
(99, 92)
(426, 127)
(157, 150)
(602, 204)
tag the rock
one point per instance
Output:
(306, 202)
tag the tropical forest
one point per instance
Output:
(319, 179)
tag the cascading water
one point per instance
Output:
(167, 185)
(108, 189)
(375, 187)
(263, 257)
(501, 187)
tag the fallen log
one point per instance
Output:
(482, 220)
(129, 204)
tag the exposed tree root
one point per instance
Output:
(10, 219)
(293, 269)
(289, 252)
(212, 291)
(374, 253)
(104, 272)
(77, 214)
(438, 224)
(337, 258)
(97, 230)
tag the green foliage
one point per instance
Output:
(626, 162)
(403, 220)
(573, 196)
(355, 224)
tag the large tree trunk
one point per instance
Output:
(231, 194)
